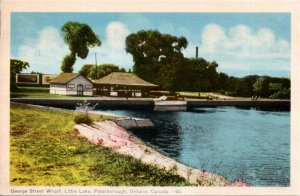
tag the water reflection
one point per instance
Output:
(166, 135)
(205, 111)
(248, 144)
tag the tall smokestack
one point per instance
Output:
(196, 51)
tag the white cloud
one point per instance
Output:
(112, 49)
(212, 36)
(240, 41)
(49, 39)
(240, 50)
(116, 34)
(265, 40)
(283, 46)
(44, 54)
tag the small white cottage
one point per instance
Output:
(71, 84)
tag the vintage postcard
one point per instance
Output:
(129, 97)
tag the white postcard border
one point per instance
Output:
(8, 6)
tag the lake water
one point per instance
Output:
(247, 144)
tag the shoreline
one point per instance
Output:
(119, 140)
(69, 110)
(123, 142)
(67, 159)
(115, 102)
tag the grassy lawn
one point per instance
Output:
(36, 92)
(45, 150)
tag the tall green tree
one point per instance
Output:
(16, 66)
(223, 82)
(95, 72)
(79, 37)
(154, 54)
(244, 86)
(85, 70)
(197, 74)
(103, 70)
(261, 86)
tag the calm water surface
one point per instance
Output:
(246, 144)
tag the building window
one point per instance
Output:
(71, 86)
(89, 87)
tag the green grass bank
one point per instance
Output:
(46, 151)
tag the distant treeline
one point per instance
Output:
(199, 75)
(254, 85)
(158, 58)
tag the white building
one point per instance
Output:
(71, 84)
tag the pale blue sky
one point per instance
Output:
(241, 43)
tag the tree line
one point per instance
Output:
(158, 59)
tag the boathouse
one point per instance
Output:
(71, 84)
(123, 85)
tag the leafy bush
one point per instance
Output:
(83, 119)
(282, 94)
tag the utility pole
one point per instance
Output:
(96, 64)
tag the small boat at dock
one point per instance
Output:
(172, 105)
(135, 123)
